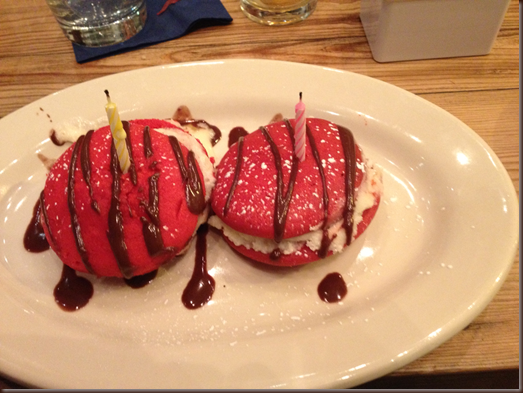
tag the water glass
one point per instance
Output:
(99, 22)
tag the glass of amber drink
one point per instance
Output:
(278, 12)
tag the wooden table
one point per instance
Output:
(37, 60)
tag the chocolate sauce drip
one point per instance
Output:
(193, 185)
(200, 288)
(115, 232)
(347, 141)
(217, 132)
(332, 288)
(153, 208)
(75, 226)
(147, 145)
(55, 140)
(239, 160)
(85, 164)
(142, 280)
(235, 135)
(128, 143)
(46, 218)
(281, 203)
(34, 238)
(151, 226)
(152, 237)
(193, 188)
(72, 292)
(325, 241)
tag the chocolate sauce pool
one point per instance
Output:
(332, 288)
(73, 292)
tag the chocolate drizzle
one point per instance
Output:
(151, 224)
(200, 288)
(34, 237)
(80, 246)
(147, 145)
(217, 132)
(85, 164)
(115, 232)
(193, 185)
(128, 143)
(325, 240)
(237, 170)
(282, 201)
(347, 141)
(151, 227)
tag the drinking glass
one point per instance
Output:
(99, 22)
(278, 12)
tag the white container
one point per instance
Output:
(425, 29)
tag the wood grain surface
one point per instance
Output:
(483, 91)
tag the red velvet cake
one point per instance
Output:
(102, 221)
(274, 209)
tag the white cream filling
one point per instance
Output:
(365, 198)
(70, 130)
(203, 133)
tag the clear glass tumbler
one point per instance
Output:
(278, 12)
(99, 22)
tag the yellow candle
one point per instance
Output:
(118, 133)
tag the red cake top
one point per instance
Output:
(246, 193)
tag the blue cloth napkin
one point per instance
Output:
(177, 20)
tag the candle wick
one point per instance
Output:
(300, 95)
(107, 95)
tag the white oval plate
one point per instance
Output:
(439, 249)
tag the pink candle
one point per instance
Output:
(300, 137)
